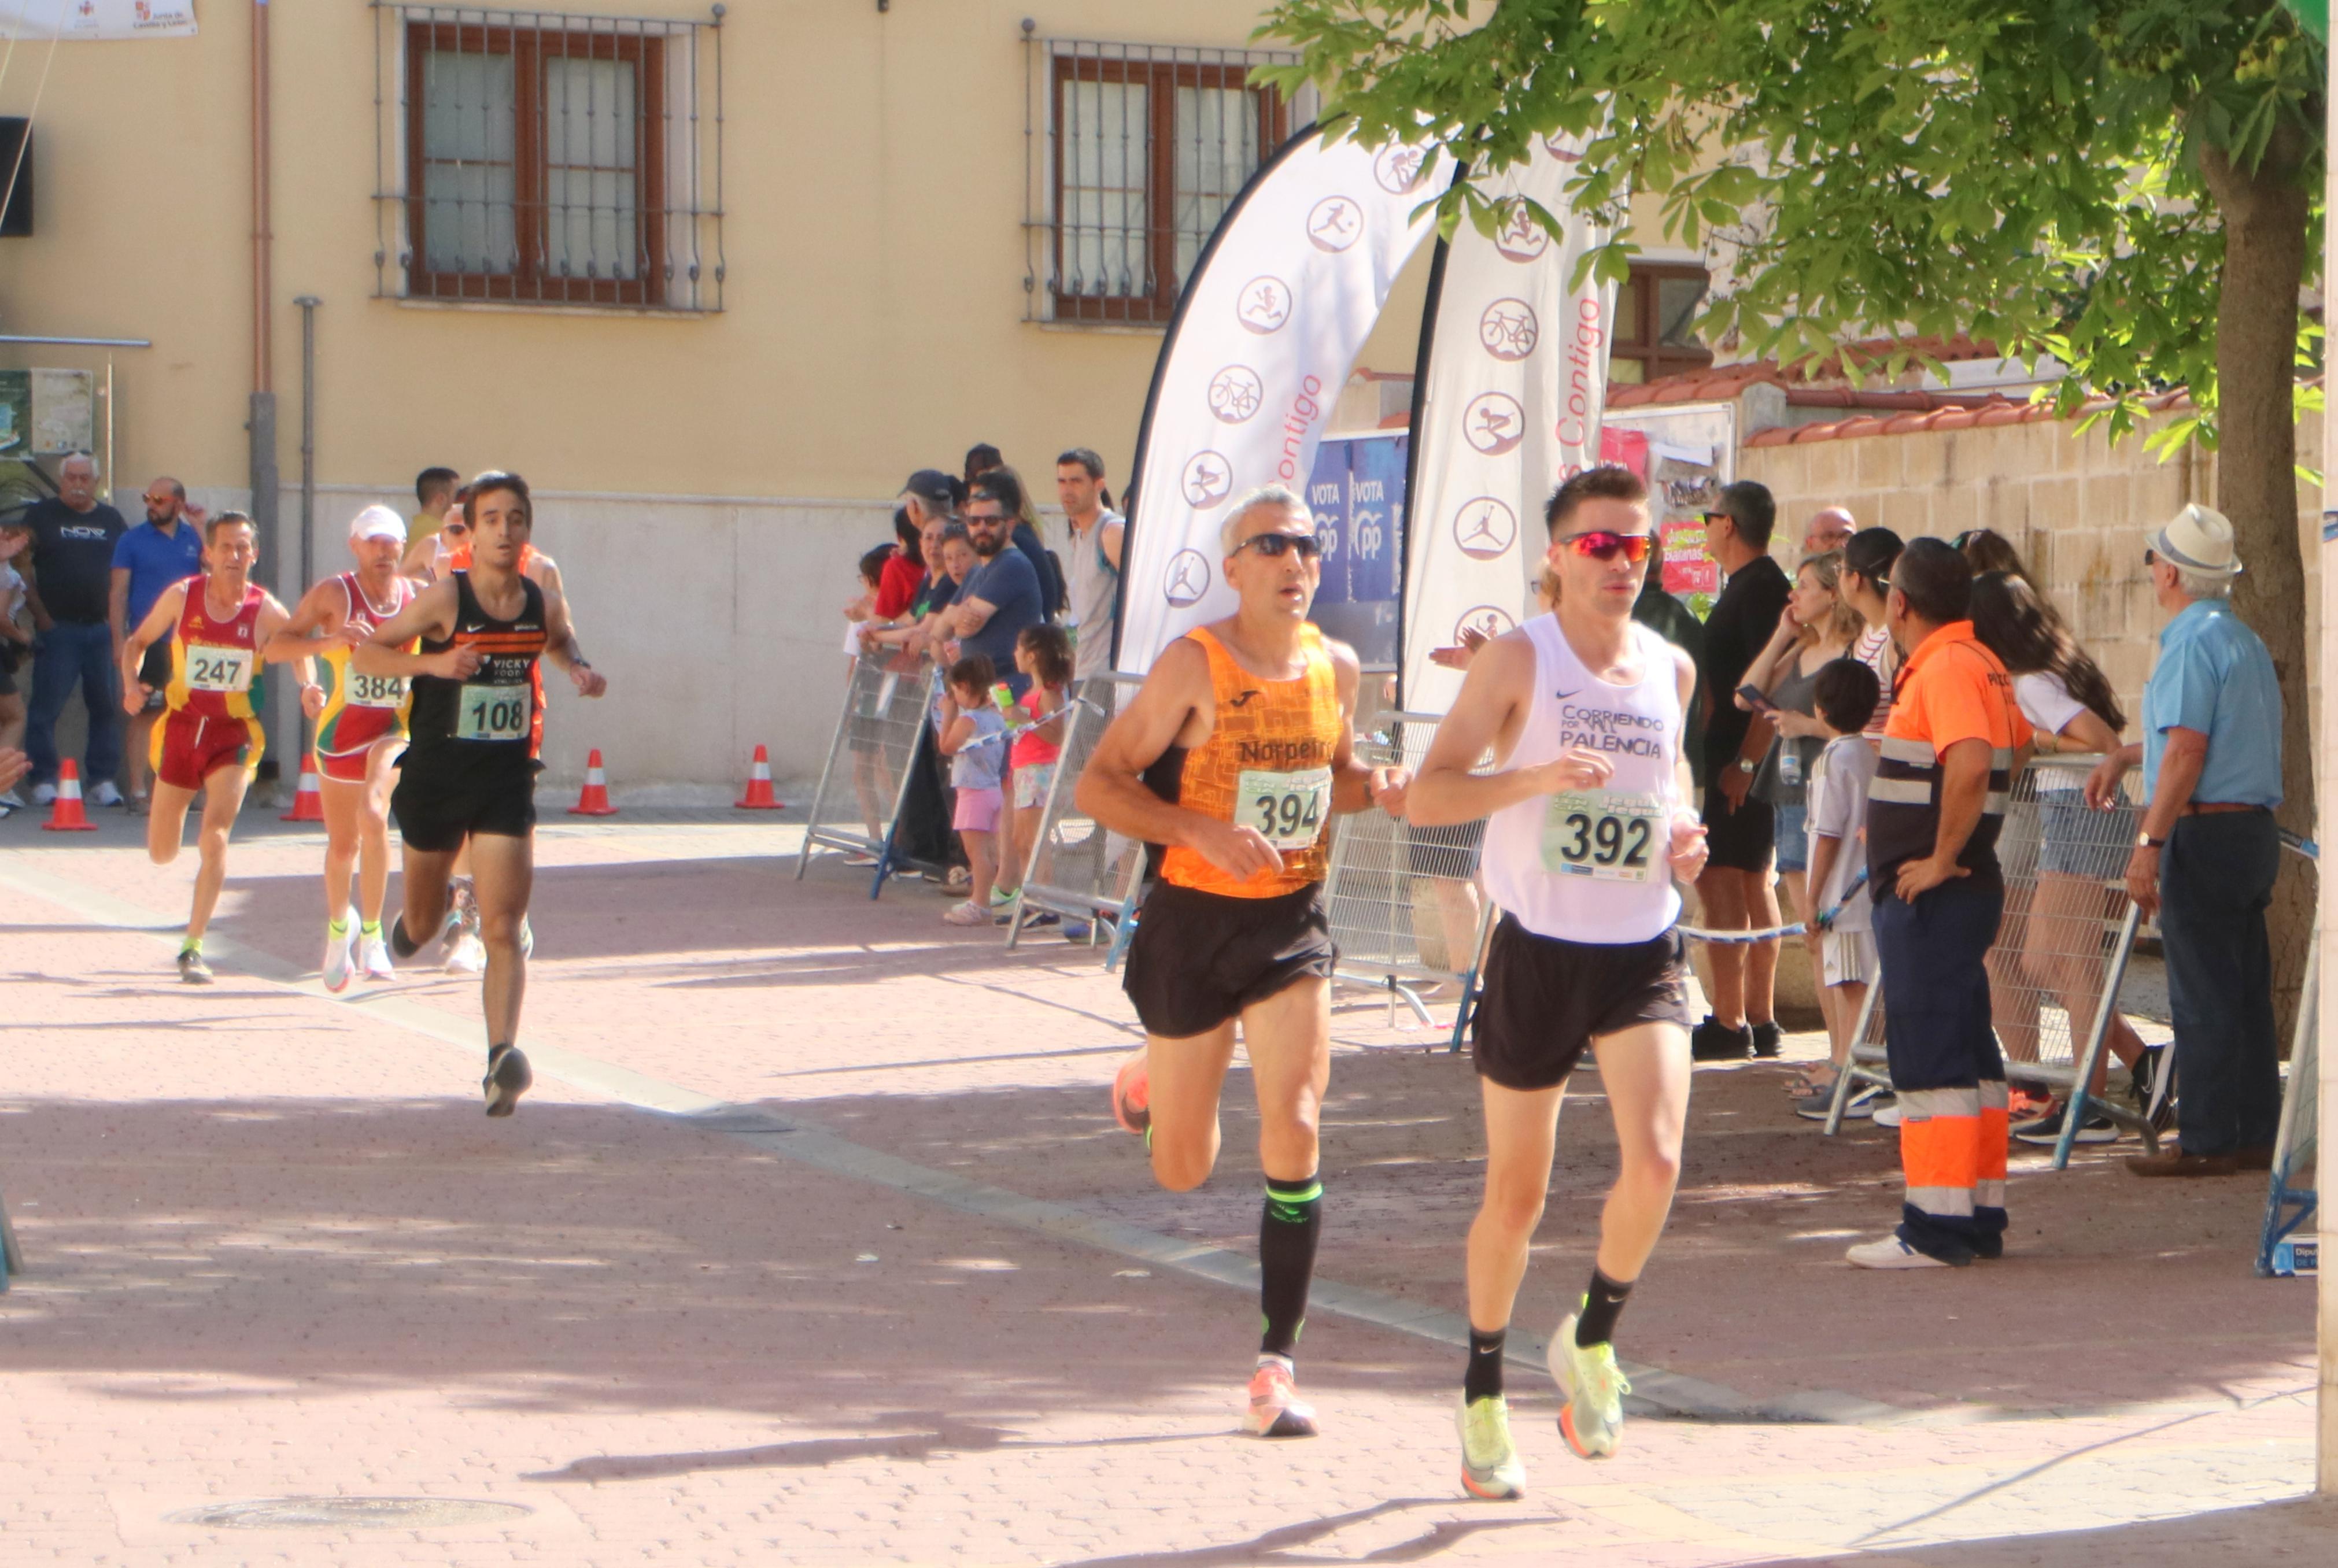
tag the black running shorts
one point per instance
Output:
(1546, 1000)
(1198, 959)
(1744, 839)
(444, 797)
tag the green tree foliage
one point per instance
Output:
(2025, 170)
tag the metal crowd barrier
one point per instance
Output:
(1405, 906)
(1076, 868)
(2060, 954)
(2290, 1199)
(867, 775)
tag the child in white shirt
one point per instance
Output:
(1845, 696)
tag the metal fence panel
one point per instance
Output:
(1077, 868)
(2061, 948)
(1405, 907)
(867, 774)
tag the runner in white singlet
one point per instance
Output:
(1589, 818)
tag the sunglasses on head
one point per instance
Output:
(1606, 544)
(1272, 546)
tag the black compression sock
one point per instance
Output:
(1483, 1380)
(1286, 1259)
(1602, 1305)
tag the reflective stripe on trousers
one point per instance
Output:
(1945, 1065)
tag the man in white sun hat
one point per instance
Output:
(2209, 850)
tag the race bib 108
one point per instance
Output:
(1287, 808)
(218, 669)
(1606, 834)
(376, 691)
(492, 712)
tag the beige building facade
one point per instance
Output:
(715, 279)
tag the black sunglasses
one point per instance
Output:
(1272, 545)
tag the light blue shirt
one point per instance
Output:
(2215, 676)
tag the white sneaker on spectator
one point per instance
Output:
(967, 913)
(105, 794)
(1887, 1115)
(44, 794)
(469, 956)
(11, 801)
(1891, 1252)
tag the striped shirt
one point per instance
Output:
(1952, 690)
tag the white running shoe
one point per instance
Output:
(1592, 1420)
(105, 794)
(335, 970)
(1887, 1115)
(526, 939)
(376, 962)
(467, 956)
(1891, 1252)
(1490, 1460)
(44, 794)
(11, 801)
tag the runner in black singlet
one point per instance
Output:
(469, 772)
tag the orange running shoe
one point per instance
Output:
(1276, 1410)
(1132, 1095)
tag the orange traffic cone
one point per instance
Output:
(759, 786)
(308, 799)
(66, 816)
(594, 800)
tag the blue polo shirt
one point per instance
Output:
(154, 561)
(2215, 676)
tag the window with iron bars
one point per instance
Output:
(1135, 152)
(547, 158)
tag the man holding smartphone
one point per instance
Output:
(1735, 892)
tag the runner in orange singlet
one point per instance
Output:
(1233, 757)
(210, 742)
(361, 730)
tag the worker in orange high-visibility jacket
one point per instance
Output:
(1953, 746)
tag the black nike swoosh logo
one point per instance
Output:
(1240, 700)
(1563, 696)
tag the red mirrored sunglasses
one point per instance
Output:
(1605, 545)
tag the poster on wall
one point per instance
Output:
(64, 411)
(100, 21)
(16, 413)
(1685, 455)
(1356, 491)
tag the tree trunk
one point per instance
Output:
(2265, 215)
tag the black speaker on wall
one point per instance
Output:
(16, 153)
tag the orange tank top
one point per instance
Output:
(1266, 764)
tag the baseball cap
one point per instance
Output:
(930, 485)
(377, 523)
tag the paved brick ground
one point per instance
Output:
(278, 1253)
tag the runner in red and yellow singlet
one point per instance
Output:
(468, 774)
(1233, 757)
(361, 730)
(210, 742)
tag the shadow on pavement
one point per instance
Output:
(2301, 1531)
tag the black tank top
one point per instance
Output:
(500, 708)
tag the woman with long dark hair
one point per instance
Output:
(2069, 702)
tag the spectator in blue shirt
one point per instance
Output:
(1003, 596)
(2209, 850)
(167, 548)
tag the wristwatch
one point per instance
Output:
(1746, 765)
(2146, 841)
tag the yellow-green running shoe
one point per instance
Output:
(1490, 1460)
(1592, 1420)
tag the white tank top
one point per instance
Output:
(1592, 866)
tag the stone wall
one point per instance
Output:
(2076, 507)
